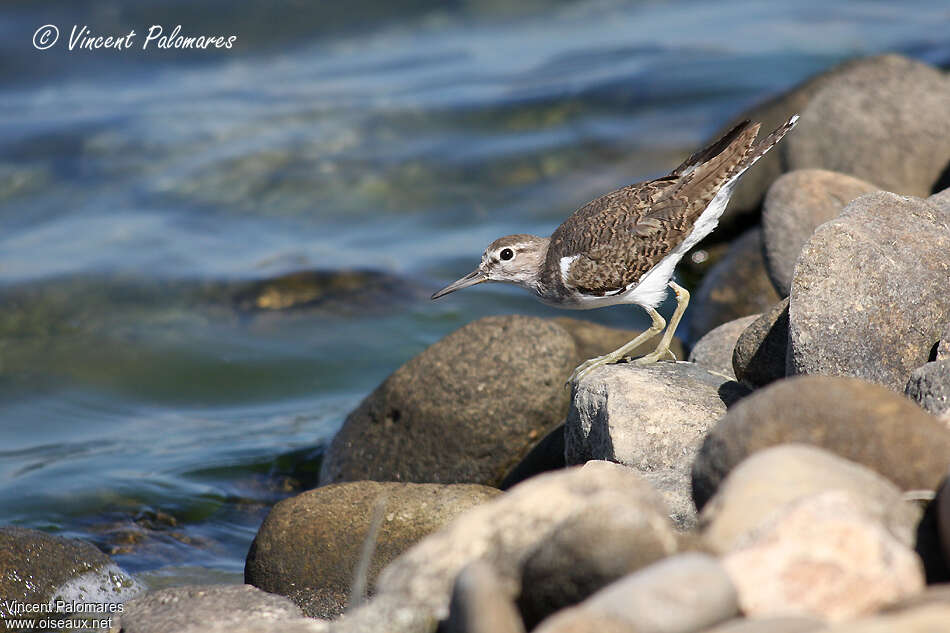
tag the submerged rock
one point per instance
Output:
(334, 523)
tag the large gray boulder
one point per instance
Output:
(465, 410)
(797, 204)
(863, 422)
(332, 524)
(869, 297)
(650, 418)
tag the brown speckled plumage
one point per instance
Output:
(620, 236)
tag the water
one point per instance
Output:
(157, 392)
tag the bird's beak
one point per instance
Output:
(474, 277)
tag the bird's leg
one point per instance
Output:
(663, 348)
(585, 368)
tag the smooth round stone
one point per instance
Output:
(859, 421)
(714, 351)
(772, 478)
(195, 608)
(506, 530)
(760, 354)
(465, 410)
(928, 619)
(736, 286)
(822, 556)
(869, 296)
(797, 204)
(797, 624)
(885, 122)
(680, 594)
(650, 418)
(334, 522)
(589, 551)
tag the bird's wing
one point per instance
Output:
(612, 241)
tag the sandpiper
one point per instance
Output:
(622, 247)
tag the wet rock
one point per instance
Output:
(929, 386)
(797, 624)
(333, 523)
(505, 531)
(36, 568)
(195, 608)
(593, 339)
(761, 351)
(650, 418)
(797, 204)
(822, 556)
(869, 295)
(682, 593)
(465, 410)
(772, 478)
(865, 423)
(736, 286)
(714, 351)
(885, 122)
(589, 551)
(481, 603)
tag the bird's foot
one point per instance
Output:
(588, 366)
(654, 356)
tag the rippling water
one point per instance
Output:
(159, 389)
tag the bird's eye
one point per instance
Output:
(506, 254)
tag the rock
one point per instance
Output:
(942, 513)
(195, 608)
(579, 621)
(772, 478)
(593, 339)
(932, 595)
(796, 624)
(929, 619)
(941, 200)
(465, 410)
(682, 593)
(505, 531)
(869, 293)
(760, 353)
(650, 418)
(749, 192)
(929, 386)
(482, 604)
(546, 455)
(822, 556)
(886, 122)
(333, 522)
(865, 423)
(736, 286)
(943, 348)
(263, 625)
(389, 613)
(37, 568)
(714, 351)
(797, 204)
(587, 552)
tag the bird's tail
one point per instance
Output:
(758, 150)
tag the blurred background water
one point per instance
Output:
(167, 372)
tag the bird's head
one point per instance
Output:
(515, 259)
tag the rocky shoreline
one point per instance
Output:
(789, 477)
